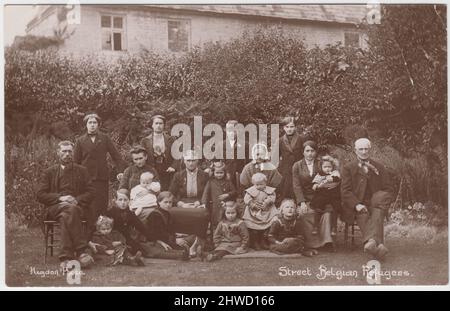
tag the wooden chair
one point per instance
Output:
(350, 234)
(50, 241)
(354, 227)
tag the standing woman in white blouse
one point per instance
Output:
(158, 145)
(303, 173)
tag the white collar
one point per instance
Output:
(193, 172)
(310, 163)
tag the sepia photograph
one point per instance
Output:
(168, 145)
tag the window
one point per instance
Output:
(351, 39)
(178, 35)
(113, 34)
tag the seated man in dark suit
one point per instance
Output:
(366, 192)
(67, 191)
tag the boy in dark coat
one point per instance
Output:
(126, 222)
(162, 240)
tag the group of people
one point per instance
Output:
(179, 209)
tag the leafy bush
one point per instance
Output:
(416, 232)
(258, 77)
(25, 163)
(427, 214)
(415, 177)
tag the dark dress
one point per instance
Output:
(189, 220)
(93, 155)
(161, 162)
(291, 151)
(229, 236)
(267, 168)
(213, 189)
(289, 232)
(235, 165)
(132, 175)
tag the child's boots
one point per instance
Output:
(135, 260)
(254, 240)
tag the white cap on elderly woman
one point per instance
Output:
(362, 142)
(191, 155)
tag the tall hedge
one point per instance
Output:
(259, 77)
(396, 89)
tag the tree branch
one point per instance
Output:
(404, 61)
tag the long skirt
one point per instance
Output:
(286, 190)
(155, 250)
(99, 204)
(190, 221)
(324, 236)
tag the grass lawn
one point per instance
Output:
(426, 265)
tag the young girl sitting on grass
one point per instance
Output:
(231, 234)
(286, 232)
(109, 242)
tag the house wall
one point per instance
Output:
(46, 26)
(148, 28)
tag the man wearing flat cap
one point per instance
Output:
(367, 192)
(67, 191)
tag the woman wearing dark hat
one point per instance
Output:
(91, 151)
(303, 173)
(158, 145)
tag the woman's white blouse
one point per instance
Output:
(310, 167)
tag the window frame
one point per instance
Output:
(112, 30)
(182, 21)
